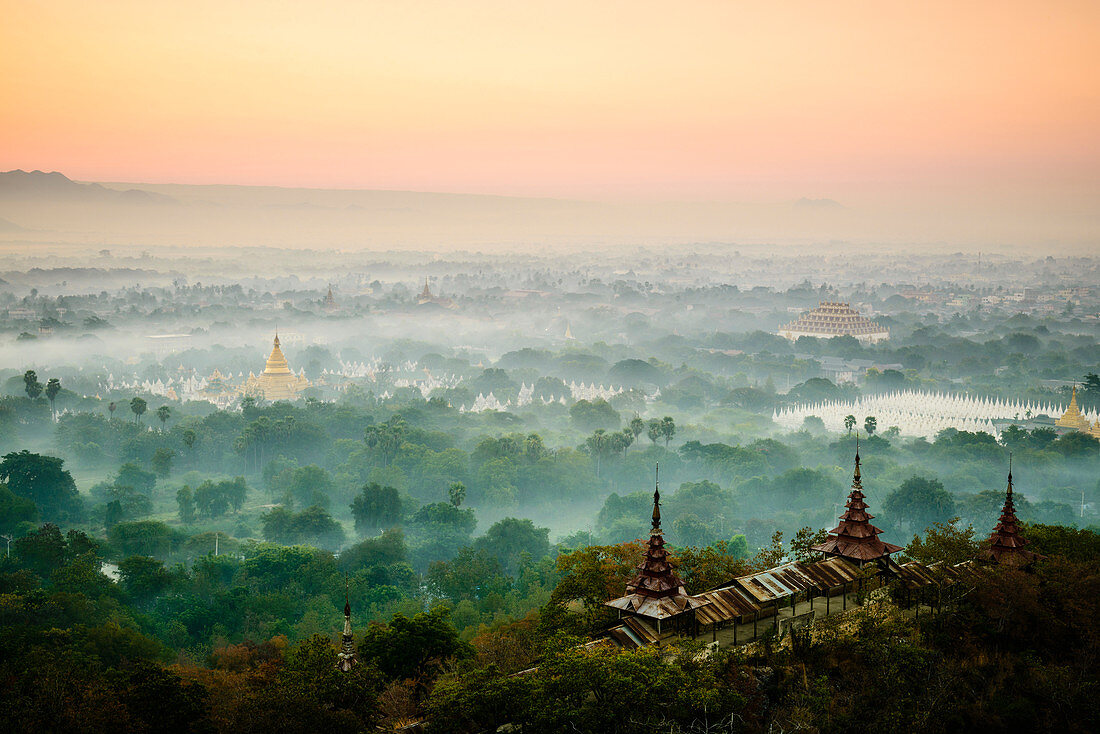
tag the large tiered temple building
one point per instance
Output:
(831, 319)
(277, 381)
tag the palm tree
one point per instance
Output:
(163, 412)
(870, 424)
(849, 423)
(137, 407)
(668, 429)
(597, 444)
(637, 426)
(31, 384)
(111, 409)
(53, 387)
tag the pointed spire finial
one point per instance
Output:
(657, 497)
(1010, 474)
(856, 475)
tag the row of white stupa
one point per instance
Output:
(918, 413)
(526, 396)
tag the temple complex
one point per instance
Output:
(656, 593)
(657, 607)
(1006, 545)
(831, 319)
(855, 538)
(276, 382)
(1074, 420)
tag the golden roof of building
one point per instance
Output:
(1072, 418)
(277, 381)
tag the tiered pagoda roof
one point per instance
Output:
(855, 538)
(1006, 545)
(831, 319)
(656, 591)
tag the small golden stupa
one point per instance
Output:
(276, 382)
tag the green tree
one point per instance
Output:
(919, 502)
(376, 507)
(132, 475)
(185, 500)
(849, 423)
(667, 428)
(44, 481)
(162, 462)
(457, 493)
(189, 439)
(138, 407)
(870, 424)
(143, 537)
(803, 542)
(945, 542)
(143, 577)
(590, 415)
(415, 648)
(599, 445)
(163, 414)
(53, 387)
(31, 384)
(508, 540)
(15, 512)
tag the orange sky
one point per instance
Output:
(691, 100)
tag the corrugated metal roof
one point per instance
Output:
(655, 607)
(915, 575)
(725, 604)
(831, 572)
(775, 584)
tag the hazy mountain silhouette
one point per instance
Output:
(7, 226)
(19, 184)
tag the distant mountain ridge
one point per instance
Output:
(20, 184)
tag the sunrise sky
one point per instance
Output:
(596, 98)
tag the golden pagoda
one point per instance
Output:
(1072, 418)
(277, 381)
